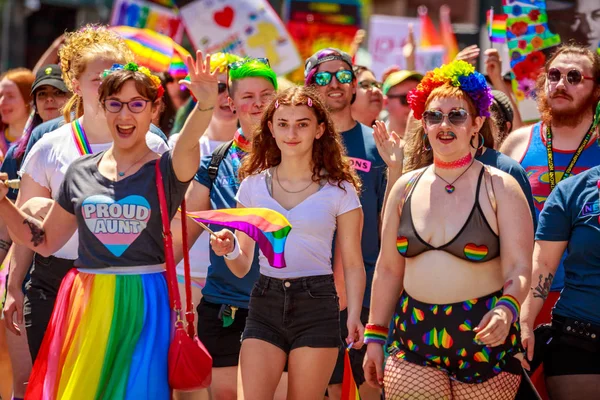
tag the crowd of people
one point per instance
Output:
(461, 294)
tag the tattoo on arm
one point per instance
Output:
(543, 288)
(37, 233)
(5, 244)
(507, 285)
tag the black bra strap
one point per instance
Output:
(479, 185)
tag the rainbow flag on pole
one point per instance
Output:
(429, 35)
(349, 388)
(268, 228)
(496, 26)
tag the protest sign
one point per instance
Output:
(243, 27)
(144, 14)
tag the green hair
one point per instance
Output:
(252, 69)
(220, 61)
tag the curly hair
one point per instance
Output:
(92, 42)
(328, 153)
(416, 154)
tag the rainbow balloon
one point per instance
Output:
(268, 228)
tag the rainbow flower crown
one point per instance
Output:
(136, 68)
(459, 74)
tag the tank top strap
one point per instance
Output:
(410, 186)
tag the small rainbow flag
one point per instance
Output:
(496, 26)
(268, 228)
(349, 388)
(429, 35)
(448, 37)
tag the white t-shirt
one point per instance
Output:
(49, 158)
(200, 251)
(308, 245)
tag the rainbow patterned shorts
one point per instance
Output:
(441, 336)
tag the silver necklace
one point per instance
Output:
(122, 173)
(289, 191)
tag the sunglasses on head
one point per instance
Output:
(238, 64)
(135, 106)
(403, 98)
(574, 77)
(366, 85)
(455, 117)
(324, 78)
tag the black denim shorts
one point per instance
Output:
(293, 313)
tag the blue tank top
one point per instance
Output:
(535, 163)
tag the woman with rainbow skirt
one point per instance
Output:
(455, 260)
(297, 168)
(111, 326)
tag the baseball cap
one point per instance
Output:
(50, 74)
(325, 55)
(398, 77)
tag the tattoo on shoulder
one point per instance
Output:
(543, 287)
(37, 233)
(5, 244)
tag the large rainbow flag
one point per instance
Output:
(349, 388)
(268, 228)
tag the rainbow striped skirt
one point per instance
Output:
(108, 338)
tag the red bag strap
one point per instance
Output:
(170, 259)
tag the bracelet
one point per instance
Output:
(512, 304)
(204, 109)
(376, 334)
(235, 253)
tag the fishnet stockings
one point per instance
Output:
(405, 380)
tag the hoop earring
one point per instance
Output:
(480, 142)
(425, 146)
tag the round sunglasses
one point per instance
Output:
(455, 117)
(135, 106)
(574, 77)
(324, 78)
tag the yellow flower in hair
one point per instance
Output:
(155, 79)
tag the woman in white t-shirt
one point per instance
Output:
(297, 168)
(84, 56)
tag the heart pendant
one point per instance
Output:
(449, 188)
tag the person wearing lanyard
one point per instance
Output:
(562, 144)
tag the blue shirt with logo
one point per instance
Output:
(372, 170)
(222, 286)
(571, 213)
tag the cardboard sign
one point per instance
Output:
(243, 27)
(143, 14)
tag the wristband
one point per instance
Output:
(235, 253)
(512, 304)
(376, 334)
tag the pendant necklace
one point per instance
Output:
(450, 185)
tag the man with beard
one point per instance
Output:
(330, 72)
(561, 145)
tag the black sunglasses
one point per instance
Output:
(403, 98)
(455, 117)
(574, 77)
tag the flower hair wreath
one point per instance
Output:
(135, 68)
(459, 74)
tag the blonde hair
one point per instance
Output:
(220, 61)
(416, 154)
(92, 42)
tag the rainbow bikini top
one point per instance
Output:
(475, 242)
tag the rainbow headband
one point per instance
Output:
(135, 68)
(459, 74)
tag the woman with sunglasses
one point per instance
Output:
(369, 100)
(297, 168)
(111, 328)
(456, 243)
(84, 56)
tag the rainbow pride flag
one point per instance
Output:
(429, 35)
(496, 26)
(349, 388)
(448, 37)
(268, 228)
